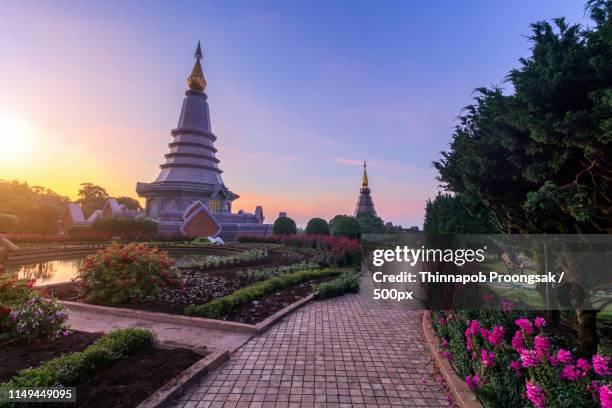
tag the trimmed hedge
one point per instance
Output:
(120, 225)
(346, 283)
(69, 369)
(222, 306)
(284, 226)
(345, 226)
(317, 226)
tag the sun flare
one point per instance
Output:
(15, 136)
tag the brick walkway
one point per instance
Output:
(343, 352)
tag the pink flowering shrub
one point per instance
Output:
(344, 251)
(122, 274)
(510, 360)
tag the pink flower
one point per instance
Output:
(484, 333)
(468, 344)
(529, 358)
(569, 372)
(525, 325)
(444, 343)
(601, 364)
(474, 327)
(442, 321)
(565, 356)
(518, 341)
(542, 345)
(488, 358)
(535, 395)
(447, 355)
(540, 322)
(583, 365)
(473, 381)
(496, 336)
(488, 297)
(554, 361)
(593, 388)
(516, 367)
(605, 396)
(506, 306)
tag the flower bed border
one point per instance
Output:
(463, 396)
(29, 256)
(191, 321)
(177, 385)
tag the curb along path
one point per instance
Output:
(340, 352)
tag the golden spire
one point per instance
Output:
(364, 179)
(196, 80)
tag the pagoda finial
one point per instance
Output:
(198, 53)
(196, 80)
(364, 179)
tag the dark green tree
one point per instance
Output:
(284, 226)
(317, 226)
(129, 202)
(345, 226)
(450, 214)
(540, 159)
(371, 225)
(91, 198)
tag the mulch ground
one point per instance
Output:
(15, 357)
(129, 382)
(260, 309)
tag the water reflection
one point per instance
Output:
(49, 272)
(64, 270)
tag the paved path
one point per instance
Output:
(343, 352)
(185, 336)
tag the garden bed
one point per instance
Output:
(17, 357)
(130, 381)
(120, 369)
(201, 286)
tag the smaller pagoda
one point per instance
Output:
(365, 205)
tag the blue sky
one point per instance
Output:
(300, 92)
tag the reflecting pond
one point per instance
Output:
(63, 270)
(47, 272)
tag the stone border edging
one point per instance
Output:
(463, 396)
(265, 324)
(190, 320)
(162, 317)
(175, 387)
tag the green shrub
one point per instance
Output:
(8, 223)
(126, 273)
(317, 226)
(284, 226)
(69, 370)
(222, 306)
(214, 261)
(346, 283)
(267, 273)
(345, 226)
(37, 318)
(122, 225)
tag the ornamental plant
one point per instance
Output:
(510, 360)
(211, 262)
(131, 273)
(26, 313)
(39, 318)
